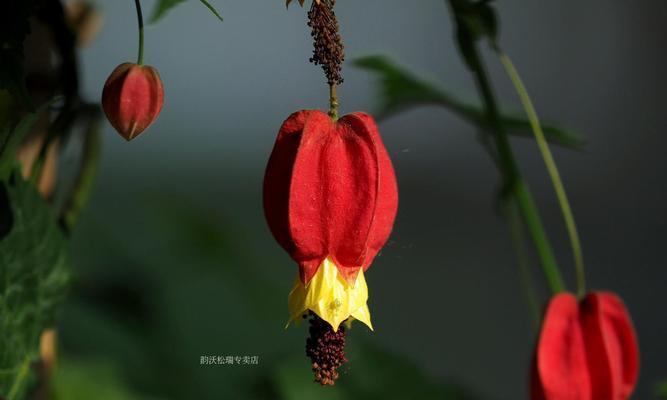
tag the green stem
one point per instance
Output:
(525, 279)
(513, 181)
(552, 169)
(333, 102)
(140, 20)
(20, 379)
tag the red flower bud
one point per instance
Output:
(132, 98)
(586, 351)
(330, 192)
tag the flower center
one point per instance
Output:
(326, 350)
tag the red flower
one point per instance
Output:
(586, 351)
(330, 199)
(132, 98)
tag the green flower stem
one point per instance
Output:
(552, 169)
(525, 280)
(513, 181)
(21, 376)
(333, 102)
(140, 20)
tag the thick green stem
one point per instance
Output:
(552, 169)
(140, 20)
(513, 181)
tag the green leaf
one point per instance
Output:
(400, 91)
(162, 7)
(213, 10)
(33, 277)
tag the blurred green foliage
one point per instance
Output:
(144, 311)
(88, 380)
(33, 277)
(33, 257)
(162, 7)
(661, 390)
(400, 90)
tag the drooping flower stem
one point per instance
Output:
(552, 169)
(513, 183)
(326, 350)
(328, 49)
(140, 21)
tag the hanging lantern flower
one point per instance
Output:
(133, 94)
(586, 350)
(132, 98)
(330, 199)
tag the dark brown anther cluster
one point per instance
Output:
(328, 46)
(326, 350)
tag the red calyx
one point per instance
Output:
(132, 98)
(330, 191)
(586, 351)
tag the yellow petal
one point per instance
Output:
(331, 297)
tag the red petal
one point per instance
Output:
(611, 345)
(278, 178)
(330, 190)
(560, 371)
(536, 389)
(293, 209)
(386, 196)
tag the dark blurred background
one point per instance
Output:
(174, 261)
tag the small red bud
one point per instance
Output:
(132, 98)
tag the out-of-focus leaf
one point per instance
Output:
(33, 276)
(88, 380)
(162, 7)
(371, 373)
(400, 90)
(661, 390)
